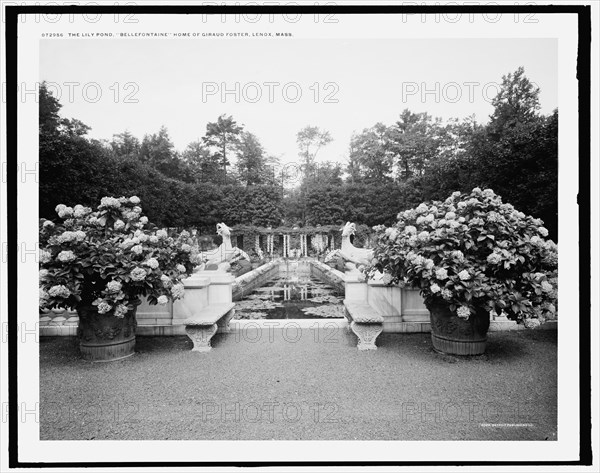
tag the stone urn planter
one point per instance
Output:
(453, 335)
(104, 337)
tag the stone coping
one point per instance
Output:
(287, 323)
(250, 275)
(327, 268)
(213, 277)
(210, 314)
(196, 282)
(363, 313)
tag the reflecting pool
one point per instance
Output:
(292, 296)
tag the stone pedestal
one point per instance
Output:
(201, 335)
(220, 286)
(367, 334)
(355, 288)
(196, 297)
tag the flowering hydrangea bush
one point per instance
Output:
(110, 258)
(470, 252)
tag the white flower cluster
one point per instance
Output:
(129, 242)
(66, 256)
(59, 291)
(68, 236)
(391, 233)
(113, 286)
(177, 291)
(138, 274)
(109, 202)
(151, 262)
(121, 310)
(494, 257)
(458, 255)
(93, 220)
(45, 256)
(104, 307)
(80, 211)
(63, 211)
(166, 280)
(463, 312)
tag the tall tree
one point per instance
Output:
(252, 162)
(224, 136)
(310, 140)
(73, 169)
(516, 102)
(204, 166)
(157, 150)
(370, 158)
(414, 140)
(125, 145)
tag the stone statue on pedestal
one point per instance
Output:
(222, 257)
(351, 255)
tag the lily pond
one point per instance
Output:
(291, 297)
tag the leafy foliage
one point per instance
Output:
(110, 258)
(472, 251)
(390, 168)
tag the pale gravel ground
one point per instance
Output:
(320, 387)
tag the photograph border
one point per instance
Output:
(583, 13)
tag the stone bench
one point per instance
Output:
(365, 321)
(204, 324)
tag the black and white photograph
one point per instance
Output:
(286, 237)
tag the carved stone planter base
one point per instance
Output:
(201, 335)
(367, 334)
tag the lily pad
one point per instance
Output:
(250, 315)
(256, 304)
(328, 298)
(329, 311)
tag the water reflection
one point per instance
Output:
(293, 297)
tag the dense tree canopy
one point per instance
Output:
(227, 175)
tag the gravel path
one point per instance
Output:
(318, 387)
